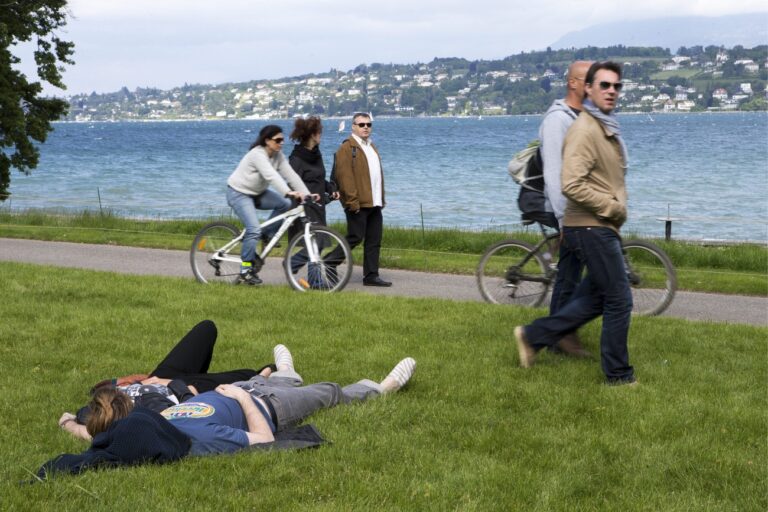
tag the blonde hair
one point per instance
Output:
(107, 406)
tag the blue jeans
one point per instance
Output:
(603, 291)
(569, 270)
(245, 207)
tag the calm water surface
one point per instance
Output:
(709, 169)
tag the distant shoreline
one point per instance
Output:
(345, 118)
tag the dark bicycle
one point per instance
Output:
(518, 273)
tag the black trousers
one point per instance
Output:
(190, 358)
(366, 226)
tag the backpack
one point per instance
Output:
(527, 170)
(526, 167)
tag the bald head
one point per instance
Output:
(577, 72)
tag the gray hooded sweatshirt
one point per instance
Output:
(552, 132)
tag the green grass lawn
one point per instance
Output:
(735, 269)
(472, 431)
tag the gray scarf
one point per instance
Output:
(611, 123)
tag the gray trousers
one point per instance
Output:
(293, 402)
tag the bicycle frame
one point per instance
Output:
(287, 219)
(551, 240)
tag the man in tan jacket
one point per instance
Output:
(594, 166)
(358, 174)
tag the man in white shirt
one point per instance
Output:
(360, 179)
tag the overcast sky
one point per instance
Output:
(165, 43)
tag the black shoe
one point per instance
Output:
(249, 278)
(257, 264)
(375, 281)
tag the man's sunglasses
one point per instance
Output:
(364, 125)
(607, 85)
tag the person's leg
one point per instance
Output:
(191, 355)
(271, 200)
(293, 404)
(245, 209)
(355, 233)
(374, 230)
(569, 270)
(356, 224)
(606, 268)
(584, 305)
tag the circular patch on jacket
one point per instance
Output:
(188, 410)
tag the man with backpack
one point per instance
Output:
(593, 181)
(558, 118)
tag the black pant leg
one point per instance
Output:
(356, 226)
(373, 233)
(191, 355)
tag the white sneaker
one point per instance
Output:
(283, 358)
(399, 376)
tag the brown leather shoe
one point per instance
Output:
(572, 347)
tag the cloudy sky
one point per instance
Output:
(165, 43)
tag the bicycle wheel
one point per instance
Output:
(651, 276)
(510, 272)
(328, 271)
(212, 257)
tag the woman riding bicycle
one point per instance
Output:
(248, 190)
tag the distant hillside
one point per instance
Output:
(748, 30)
(695, 79)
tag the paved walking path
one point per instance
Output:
(132, 260)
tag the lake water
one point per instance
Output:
(711, 170)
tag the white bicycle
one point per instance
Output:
(318, 258)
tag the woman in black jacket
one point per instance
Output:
(307, 161)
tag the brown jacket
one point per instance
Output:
(352, 176)
(593, 176)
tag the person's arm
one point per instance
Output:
(69, 423)
(345, 178)
(552, 135)
(258, 428)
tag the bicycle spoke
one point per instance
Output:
(326, 265)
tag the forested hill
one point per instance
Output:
(656, 79)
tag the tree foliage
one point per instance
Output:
(25, 115)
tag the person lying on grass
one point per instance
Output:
(181, 375)
(258, 411)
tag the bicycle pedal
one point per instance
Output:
(304, 283)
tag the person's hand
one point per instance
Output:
(66, 418)
(315, 197)
(156, 380)
(334, 196)
(294, 195)
(231, 391)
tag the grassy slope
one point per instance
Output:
(471, 432)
